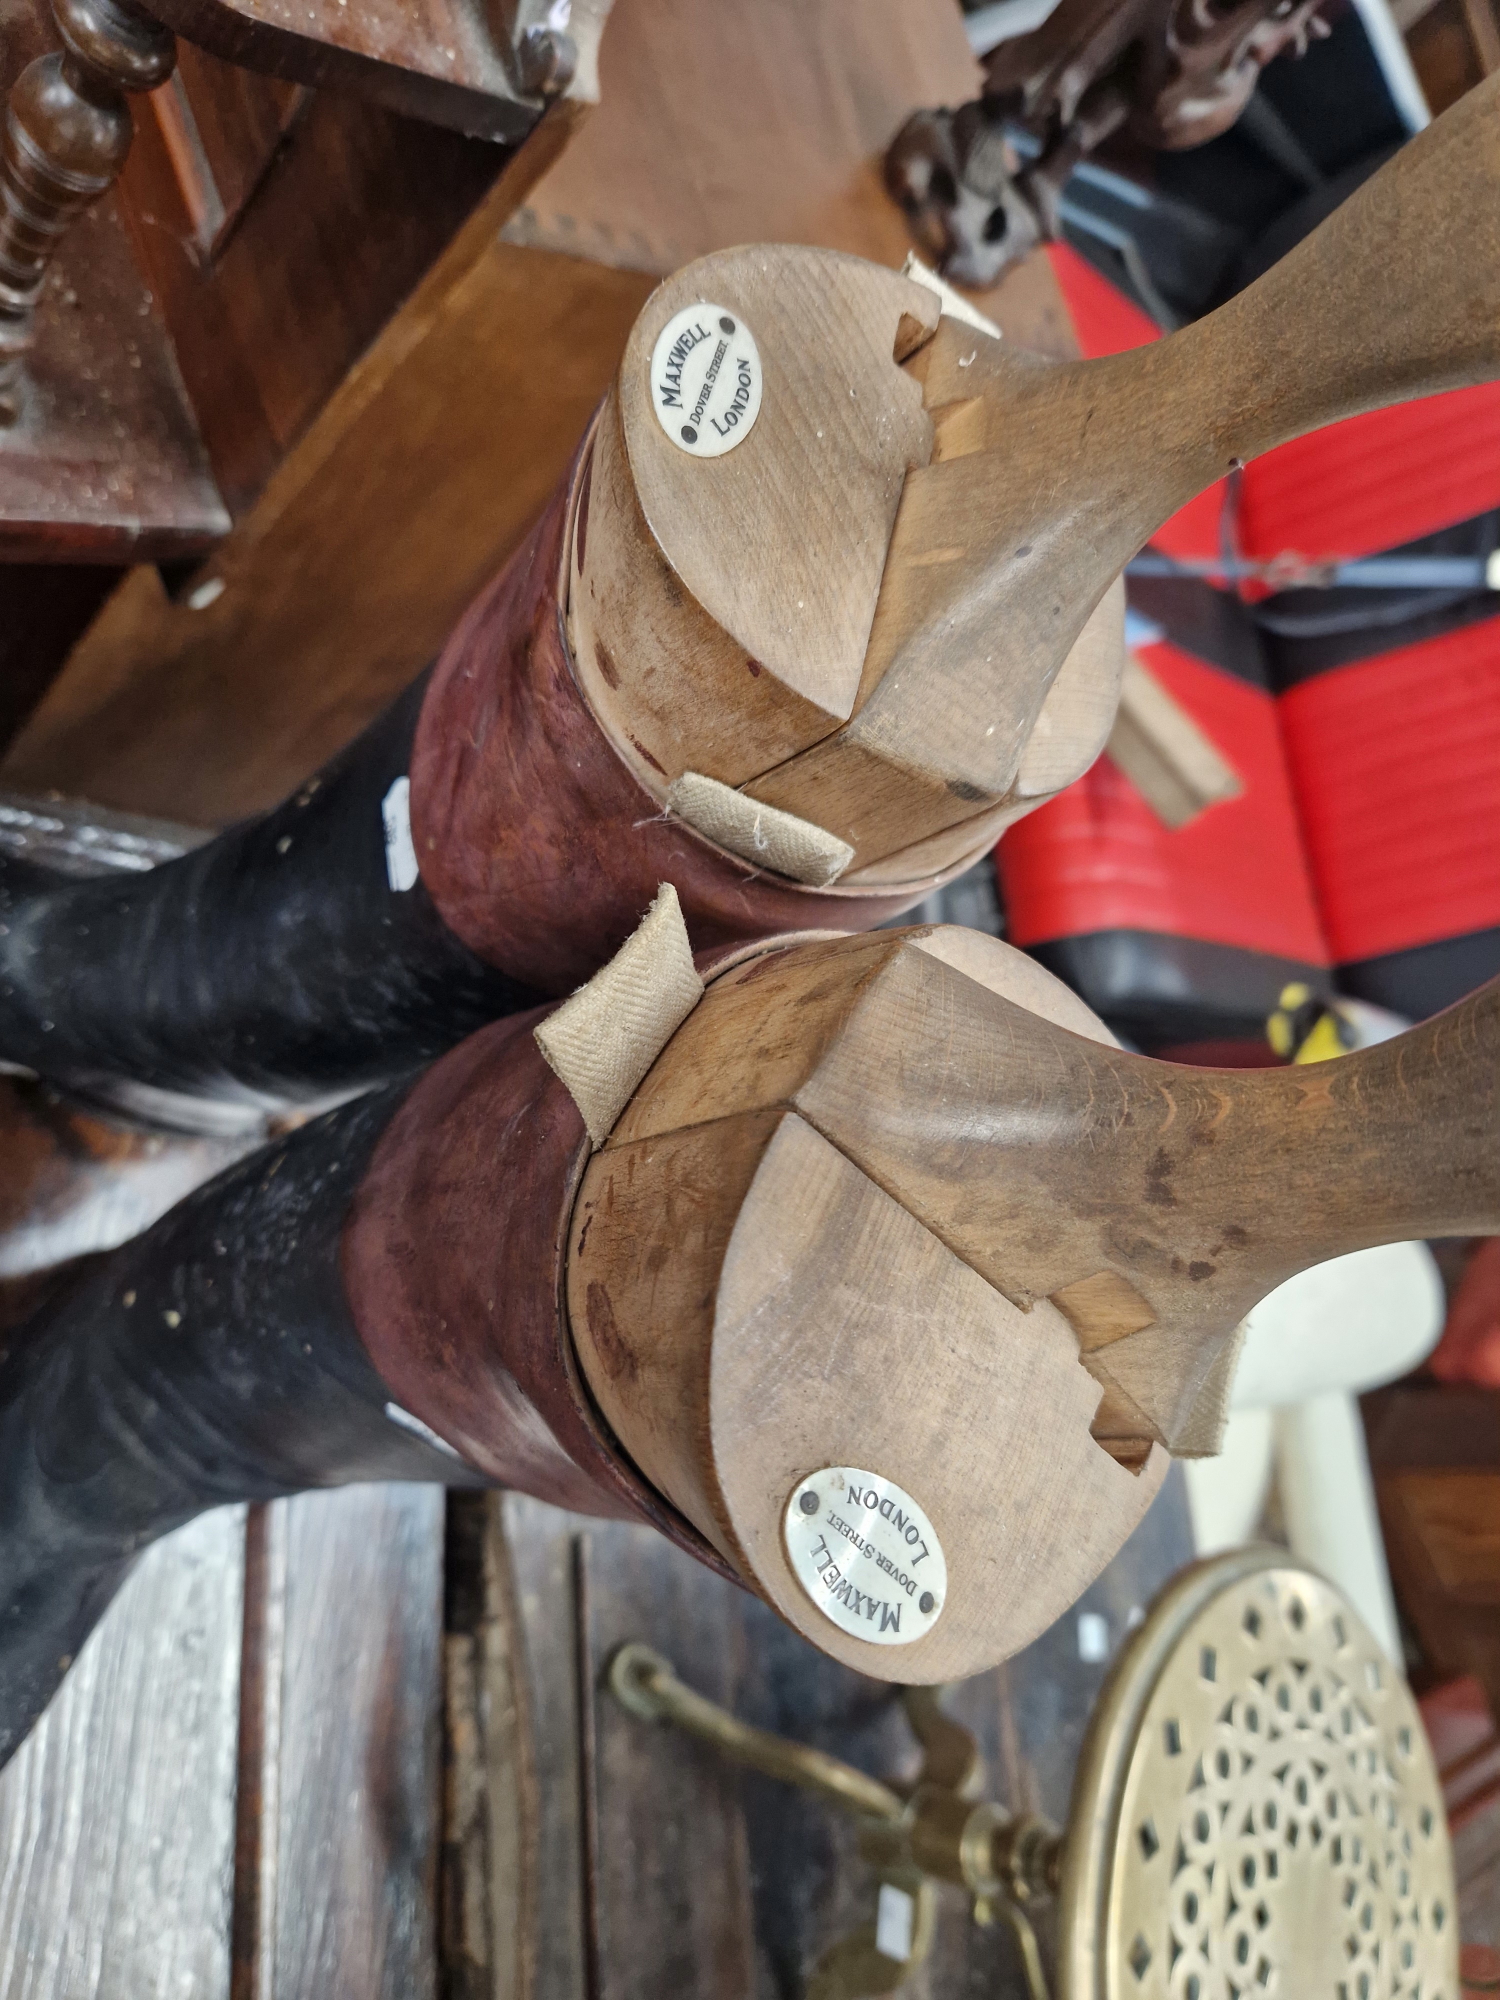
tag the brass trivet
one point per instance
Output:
(1256, 1814)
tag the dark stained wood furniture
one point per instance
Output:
(428, 466)
(1435, 1454)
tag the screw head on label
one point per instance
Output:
(866, 1554)
(706, 380)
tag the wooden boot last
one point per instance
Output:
(889, 608)
(495, 835)
(901, 1281)
(889, 1293)
(804, 666)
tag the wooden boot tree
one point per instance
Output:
(895, 1212)
(887, 606)
(889, 1292)
(804, 666)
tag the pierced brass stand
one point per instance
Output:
(1256, 1814)
(938, 1832)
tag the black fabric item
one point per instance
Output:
(1428, 977)
(1159, 991)
(1210, 624)
(273, 966)
(1309, 632)
(213, 1359)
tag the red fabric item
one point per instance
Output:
(1469, 1350)
(1352, 489)
(1376, 481)
(1395, 762)
(1106, 322)
(1096, 858)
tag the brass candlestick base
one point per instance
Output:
(1256, 1812)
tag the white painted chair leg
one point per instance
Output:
(1227, 1494)
(1328, 1501)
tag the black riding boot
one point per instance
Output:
(213, 1359)
(275, 966)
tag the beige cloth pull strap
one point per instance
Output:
(602, 1041)
(763, 834)
(955, 305)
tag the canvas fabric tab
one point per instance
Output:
(763, 834)
(602, 1041)
(955, 305)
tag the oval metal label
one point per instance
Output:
(866, 1554)
(706, 380)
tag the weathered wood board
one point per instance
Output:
(340, 1838)
(117, 1815)
(132, 1866)
(695, 1878)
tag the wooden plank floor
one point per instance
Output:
(655, 1869)
(133, 1866)
(117, 1816)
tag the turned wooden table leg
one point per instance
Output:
(67, 132)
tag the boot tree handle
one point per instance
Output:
(1048, 479)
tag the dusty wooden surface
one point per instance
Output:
(700, 1880)
(105, 461)
(443, 60)
(132, 1865)
(423, 475)
(347, 1704)
(420, 475)
(117, 1815)
(280, 229)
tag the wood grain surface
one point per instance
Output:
(778, 543)
(127, 1871)
(1049, 479)
(721, 610)
(350, 1828)
(804, 1317)
(345, 579)
(706, 138)
(868, 1210)
(105, 463)
(280, 230)
(703, 1880)
(117, 1816)
(539, 846)
(440, 60)
(342, 584)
